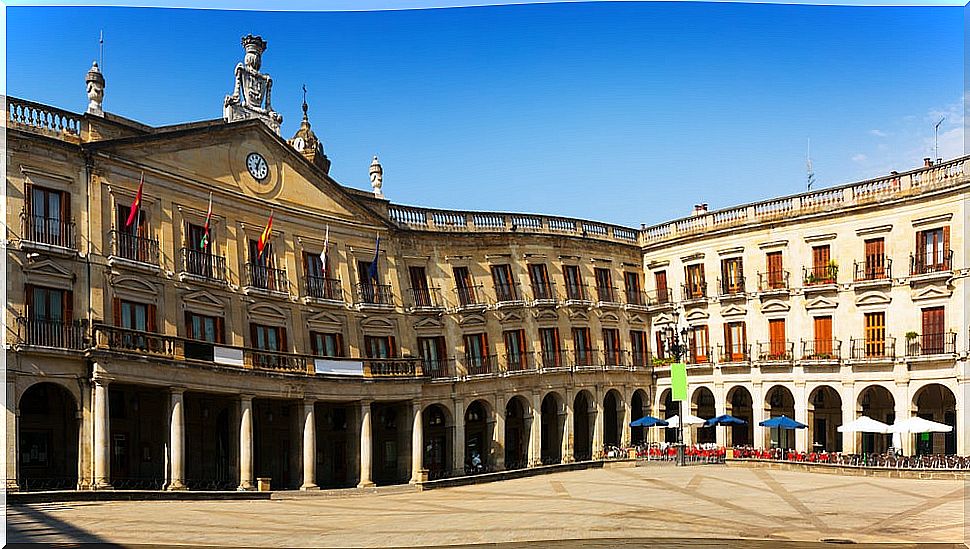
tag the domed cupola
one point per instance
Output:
(306, 143)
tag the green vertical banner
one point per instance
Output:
(678, 381)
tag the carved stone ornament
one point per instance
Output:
(252, 89)
(95, 88)
(377, 177)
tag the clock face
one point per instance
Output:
(299, 144)
(257, 166)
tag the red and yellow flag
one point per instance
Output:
(135, 204)
(265, 236)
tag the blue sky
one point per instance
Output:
(624, 112)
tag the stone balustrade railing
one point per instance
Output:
(898, 185)
(43, 119)
(427, 219)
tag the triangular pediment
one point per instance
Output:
(873, 298)
(698, 314)
(327, 320)
(775, 306)
(546, 316)
(48, 271)
(822, 303)
(265, 312)
(931, 292)
(663, 318)
(203, 301)
(511, 316)
(608, 318)
(637, 320)
(472, 320)
(133, 286)
(578, 314)
(733, 310)
(429, 323)
(377, 324)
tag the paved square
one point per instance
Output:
(647, 502)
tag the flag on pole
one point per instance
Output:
(323, 254)
(372, 271)
(135, 204)
(265, 236)
(204, 243)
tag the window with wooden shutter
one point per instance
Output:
(822, 345)
(776, 335)
(699, 348)
(660, 281)
(933, 331)
(875, 267)
(875, 330)
(776, 271)
(735, 343)
(550, 347)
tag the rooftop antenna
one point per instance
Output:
(101, 51)
(808, 165)
(937, 137)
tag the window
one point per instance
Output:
(732, 279)
(631, 282)
(696, 287)
(371, 290)
(549, 345)
(661, 349)
(198, 259)
(433, 355)
(541, 286)
(735, 342)
(875, 261)
(134, 316)
(777, 344)
(380, 347)
(476, 353)
(131, 242)
(700, 348)
(638, 346)
(262, 270)
(932, 251)
(823, 338)
(823, 272)
(604, 285)
(268, 338)
(611, 347)
(419, 287)
(204, 328)
(933, 331)
(574, 283)
(777, 278)
(660, 281)
(502, 279)
(582, 349)
(327, 344)
(48, 304)
(319, 283)
(875, 330)
(515, 349)
(464, 287)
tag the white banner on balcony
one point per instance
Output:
(339, 367)
(227, 355)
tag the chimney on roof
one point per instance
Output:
(927, 162)
(700, 209)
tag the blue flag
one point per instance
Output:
(372, 271)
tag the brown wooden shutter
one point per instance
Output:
(946, 248)
(188, 325)
(29, 301)
(284, 348)
(660, 346)
(116, 311)
(152, 320)
(252, 335)
(28, 199)
(68, 306)
(729, 349)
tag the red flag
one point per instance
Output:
(136, 204)
(265, 236)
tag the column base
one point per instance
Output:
(102, 485)
(246, 486)
(12, 486)
(309, 487)
(176, 486)
(366, 484)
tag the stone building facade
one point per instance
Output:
(145, 350)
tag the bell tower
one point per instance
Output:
(306, 143)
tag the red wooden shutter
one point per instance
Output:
(282, 339)
(946, 248)
(252, 336)
(152, 320)
(220, 330)
(728, 344)
(188, 325)
(116, 311)
(29, 301)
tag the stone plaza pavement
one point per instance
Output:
(636, 504)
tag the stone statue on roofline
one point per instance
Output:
(252, 89)
(95, 88)
(376, 177)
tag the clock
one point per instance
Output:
(299, 144)
(257, 166)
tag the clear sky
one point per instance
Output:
(623, 112)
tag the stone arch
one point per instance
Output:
(47, 438)
(583, 409)
(702, 405)
(936, 402)
(779, 401)
(553, 417)
(518, 422)
(478, 423)
(876, 401)
(639, 407)
(740, 405)
(824, 418)
(613, 404)
(438, 424)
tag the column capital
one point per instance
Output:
(101, 381)
(246, 397)
(176, 390)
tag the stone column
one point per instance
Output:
(13, 436)
(848, 415)
(720, 408)
(366, 444)
(625, 429)
(598, 426)
(417, 442)
(498, 435)
(102, 451)
(458, 451)
(567, 431)
(246, 443)
(176, 440)
(759, 434)
(902, 410)
(801, 416)
(309, 445)
(535, 432)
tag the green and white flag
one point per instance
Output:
(678, 381)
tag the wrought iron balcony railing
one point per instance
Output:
(275, 360)
(616, 358)
(519, 362)
(553, 359)
(774, 280)
(57, 334)
(729, 287)
(51, 231)
(203, 264)
(476, 365)
(267, 278)
(776, 351)
(320, 287)
(872, 269)
(661, 296)
(393, 367)
(873, 349)
(819, 275)
(636, 298)
(577, 293)
(821, 349)
(585, 358)
(507, 293)
(640, 360)
(425, 298)
(694, 291)
(735, 353)
(606, 294)
(137, 341)
(544, 292)
(925, 263)
(931, 344)
(437, 368)
(375, 294)
(471, 296)
(699, 355)
(134, 248)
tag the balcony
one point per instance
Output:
(203, 265)
(393, 367)
(822, 350)
(661, 297)
(40, 232)
(425, 300)
(694, 291)
(636, 299)
(774, 281)
(732, 288)
(374, 296)
(640, 361)
(925, 345)
(873, 349)
(471, 297)
(734, 354)
(269, 279)
(585, 358)
(553, 360)
(927, 263)
(577, 295)
(480, 365)
(324, 289)
(776, 351)
(873, 270)
(616, 359)
(820, 275)
(266, 359)
(137, 342)
(700, 356)
(436, 368)
(131, 247)
(519, 362)
(544, 294)
(606, 296)
(508, 295)
(55, 334)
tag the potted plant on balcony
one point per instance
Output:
(912, 343)
(833, 272)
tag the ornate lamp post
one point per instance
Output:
(677, 344)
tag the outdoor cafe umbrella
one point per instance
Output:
(726, 419)
(648, 421)
(864, 424)
(783, 422)
(917, 424)
(674, 422)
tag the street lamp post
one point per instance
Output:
(677, 344)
